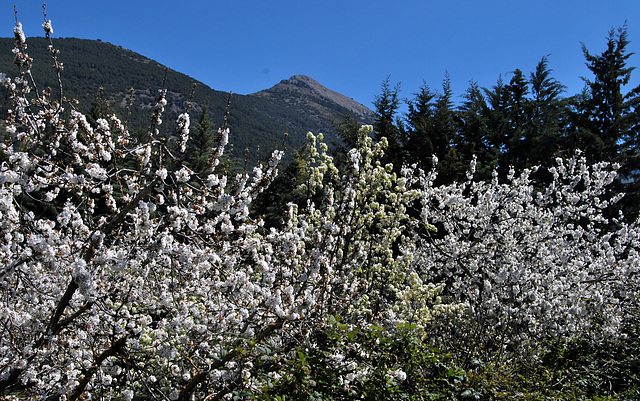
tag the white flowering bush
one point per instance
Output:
(127, 275)
(533, 262)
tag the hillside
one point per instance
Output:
(294, 106)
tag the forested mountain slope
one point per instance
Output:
(294, 106)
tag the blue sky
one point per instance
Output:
(349, 46)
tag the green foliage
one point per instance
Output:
(606, 111)
(385, 126)
(474, 136)
(606, 367)
(548, 114)
(431, 128)
(272, 204)
(347, 129)
(607, 119)
(568, 371)
(201, 145)
(392, 363)
(577, 369)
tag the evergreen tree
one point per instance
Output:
(347, 129)
(387, 124)
(432, 130)
(473, 137)
(610, 117)
(420, 145)
(444, 134)
(99, 108)
(548, 116)
(444, 122)
(201, 144)
(516, 121)
(271, 205)
(606, 111)
(497, 119)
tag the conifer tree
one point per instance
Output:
(497, 98)
(609, 117)
(473, 137)
(548, 116)
(201, 143)
(432, 130)
(420, 145)
(607, 111)
(386, 124)
(347, 129)
(516, 116)
(272, 204)
(444, 134)
(444, 118)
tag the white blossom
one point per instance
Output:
(162, 173)
(183, 175)
(18, 33)
(47, 27)
(183, 130)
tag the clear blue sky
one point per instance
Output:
(349, 46)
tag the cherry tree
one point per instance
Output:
(126, 273)
(533, 262)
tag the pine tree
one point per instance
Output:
(516, 116)
(610, 117)
(444, 123)
(473, 133)
(607, 111)
(497, 120)
(420, 146)
(99, 107)
(201, 144)
(432, 129)
(444, 134)
(347, 129)
(536, 118)
(548, 117)
(271, 205)
(387, 124)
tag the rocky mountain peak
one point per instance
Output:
(302, 81)
(302, 85)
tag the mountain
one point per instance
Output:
(98, 73)
(318, 104)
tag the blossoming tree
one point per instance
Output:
(534, 263)
(126, 273)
